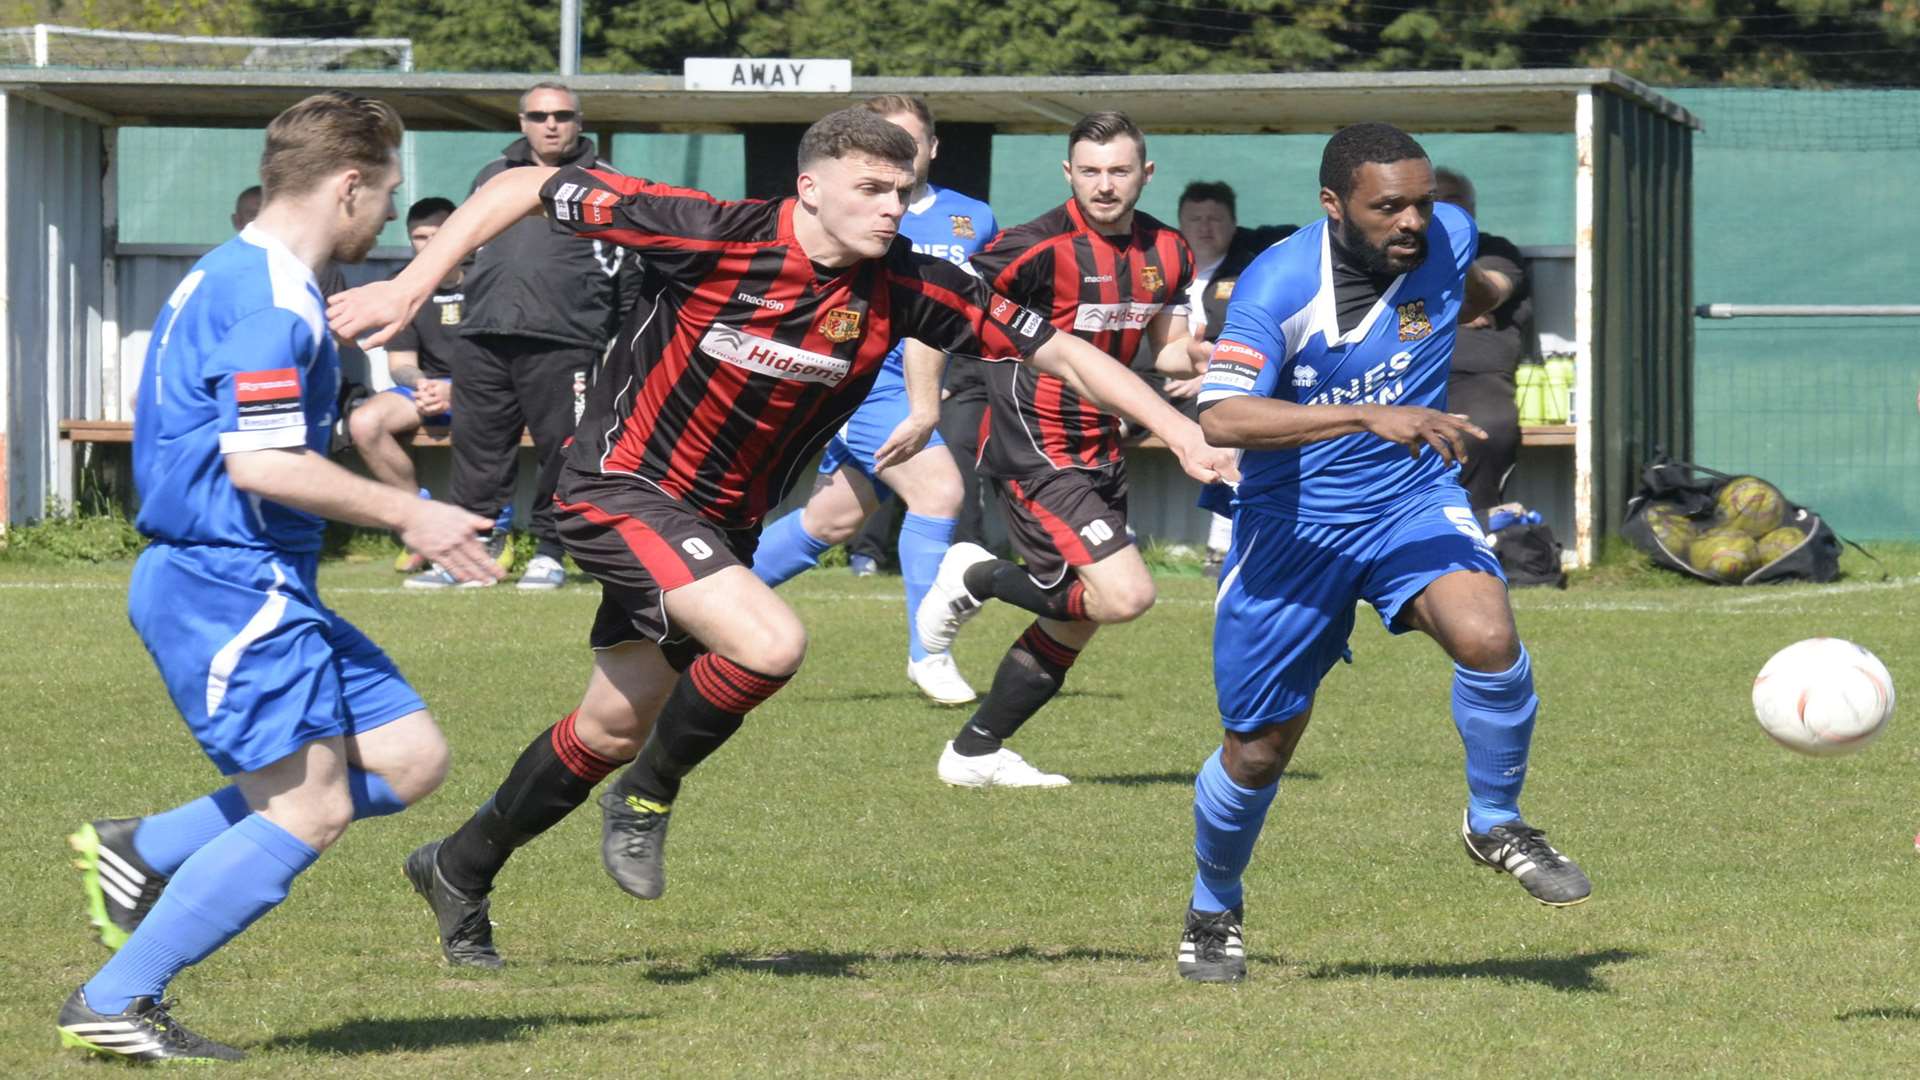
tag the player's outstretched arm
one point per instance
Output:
(1111, 386)
(1247, 422)
(1486, 289)
(379, 310)
(923, 367)
(1169, 336)
(306, 481)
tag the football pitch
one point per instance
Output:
(832, 910)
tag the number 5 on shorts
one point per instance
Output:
(1463, 519)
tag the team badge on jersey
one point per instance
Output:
(450, 314)
(1413, 321)
(1150, 278)
(1223, 289)
(962, 226)
(840, 325)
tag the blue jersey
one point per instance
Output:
(1282, 340)
(946, 225)
(240, 359)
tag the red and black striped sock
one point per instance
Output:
(1029, 675)
(1008, 581)
(706, 707)
(555, 774)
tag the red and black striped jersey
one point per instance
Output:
(1105, 289)
(749, 356)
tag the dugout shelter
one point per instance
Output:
(68, 375)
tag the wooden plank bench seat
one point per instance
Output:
(121, 431)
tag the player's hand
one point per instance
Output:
(372, 313)
(451, 538)
(1181, 389)
(1204, 462)
(432, 397)
(1415, 428)
(908, 439)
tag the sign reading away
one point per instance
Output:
(809, 76)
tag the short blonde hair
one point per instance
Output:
(323, 134)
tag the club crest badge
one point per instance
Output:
(840, 325)
(450, 314)
(962, 226)
(1413, 321)
(1150, 278)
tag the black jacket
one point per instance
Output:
(1247, 244)
(537, 280)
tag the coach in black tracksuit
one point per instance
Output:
(542, 305)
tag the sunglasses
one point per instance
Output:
(560, 116)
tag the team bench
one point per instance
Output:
(121, 431)
(1536, 435)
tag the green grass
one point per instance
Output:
(834, 911)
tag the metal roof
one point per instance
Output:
(1470, 101)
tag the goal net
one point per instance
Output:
(75, 47)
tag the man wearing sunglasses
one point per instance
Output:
(541, 307)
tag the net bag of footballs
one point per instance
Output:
(1733, 530)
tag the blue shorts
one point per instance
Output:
(255, 663)
(860, 438)
(444, 419)
(1287, 591)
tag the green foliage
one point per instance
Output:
(1741, 42)
(66, 534)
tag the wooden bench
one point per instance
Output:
(121, 431)
(1537, 435)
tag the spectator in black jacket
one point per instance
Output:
(1489, 348)
(541, 307)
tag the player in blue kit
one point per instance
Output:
(858, 471)
(307, 718)
(1331, 377)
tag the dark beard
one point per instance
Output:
(1377, 261)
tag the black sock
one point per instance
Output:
(706, 707)
(555, 774)
(1029, 675)
(1000, 579)
(551, 549)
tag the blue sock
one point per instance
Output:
(923, 542)
(165, 840)
(236, 878)
(1226, 822)
(372, 795)
(787, 550)
(1494, 713)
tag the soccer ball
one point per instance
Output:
(1823, 696)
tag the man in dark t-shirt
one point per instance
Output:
(1489, 349)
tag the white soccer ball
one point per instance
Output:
(1823, 696)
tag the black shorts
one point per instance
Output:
(641, 543)
(1066, 518)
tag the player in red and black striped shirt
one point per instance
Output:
(770, 321)
(1106, 273)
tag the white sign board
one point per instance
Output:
(806, 76)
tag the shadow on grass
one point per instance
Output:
(370, 1035)
(809, 963)
(1881, 1012)
(1568, 971)
(1184, 779)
